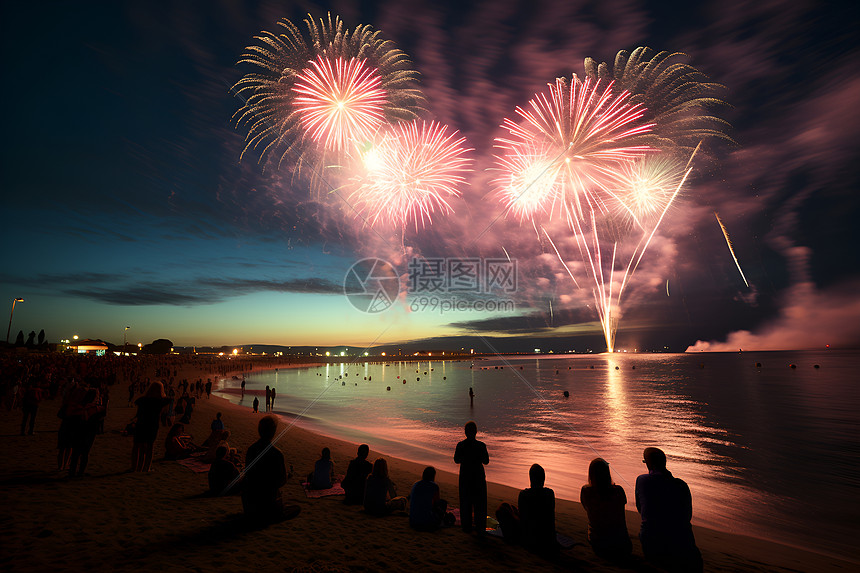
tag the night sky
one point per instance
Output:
(125, 204)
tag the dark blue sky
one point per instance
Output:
(124, 202)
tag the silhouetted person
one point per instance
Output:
(471, 397)
(146, 430)
(265, 474)
(272, 404)
(256, 405)
(222, 473)
(243, 387)
(356, 475)
(537, 514)
(604, 503)
(472, 455)
(30, 406)
(380, 494)
(268, 398)
(87, 415)
(666, 507)
(323, 473)
(426, 508)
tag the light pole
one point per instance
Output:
(124, 337)
(8, 330)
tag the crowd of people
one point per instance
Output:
(663, 501)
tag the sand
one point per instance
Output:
(118, 521)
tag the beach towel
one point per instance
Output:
(335, 489)
(195, 464)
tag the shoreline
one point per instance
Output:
(405, 452)
(112, 520)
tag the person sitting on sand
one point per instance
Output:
(604, 503)
(217, 423)
(265, 474)
(472, 455)
(380, 494)
(222, 473)
(177, 445)
(536, 506)
(323, 474)
(232, 453)
(666, 507)
(426, 508)
(356, 476)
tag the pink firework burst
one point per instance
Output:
(566, 146)
(409, 174)
(339, 102)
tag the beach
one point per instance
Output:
(119, 521)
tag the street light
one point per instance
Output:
(125, 337)
(8, 330)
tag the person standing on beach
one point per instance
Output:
(243, 387)
(471, 398)
(472, 456)
(256, 405)
(265, 474)
(146, 430)
(272, 404)
(666, 507)
(268, 398)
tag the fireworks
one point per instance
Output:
(339, 102)
(645, 187)
(676, 95)
(585, 154)
(298, 80)
(410, 173)
(566, 145)
(731, 247)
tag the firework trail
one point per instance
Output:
(731, 248)
(328, 85)
(411, 172)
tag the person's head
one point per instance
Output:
(155, 390)
(429, 473)
(326, 454)
(471, 429)
(654, 458)
(598, 474)
(218, 416)
(220, 452)
(380, 468)
(537, 477)
(267, 427)
(363, 451)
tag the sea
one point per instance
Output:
(769, 442)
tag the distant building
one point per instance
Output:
(96, 347)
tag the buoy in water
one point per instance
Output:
(566, 394)
(792, 365)
(634, 367)
(816, 366)
(404, 381)
(389, 388)
(616, 367)
(758, 364)
(444, 377)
